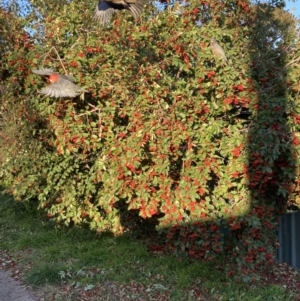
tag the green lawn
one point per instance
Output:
(54, 260)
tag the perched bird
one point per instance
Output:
(106, 8)
(217, 50)
(61, 85)
(3, 90)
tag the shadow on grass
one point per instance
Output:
(81, 258)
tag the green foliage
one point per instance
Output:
(167, 129)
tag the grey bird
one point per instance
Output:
(105, 9)
(3, 90)
(60, 85)
(217, 50)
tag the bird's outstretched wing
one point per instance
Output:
(66, 89)
(136, 8)
(103, 12)
(49, 71)
(43, 71)
(106, 8)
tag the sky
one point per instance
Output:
(296, 5)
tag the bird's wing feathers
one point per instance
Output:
(43, 71)
(136, 9)
(62, 89)
(105, 9)
(103, 12)
(48, 72)
(124, 2)
(67, 77)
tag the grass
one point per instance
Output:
(80, 259)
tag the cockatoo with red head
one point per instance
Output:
(60, 85)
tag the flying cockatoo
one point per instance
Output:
(60, 85)
(105, 9)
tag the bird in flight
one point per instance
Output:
(105, 9)
(60, 85)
